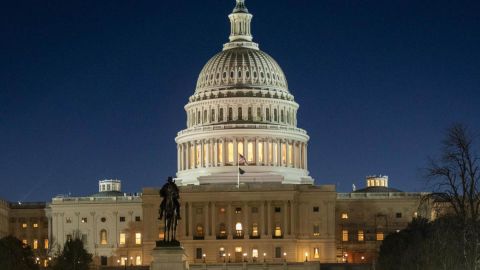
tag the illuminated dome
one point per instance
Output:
(242, 110)
(241, 67)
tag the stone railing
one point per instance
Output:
(241, 126)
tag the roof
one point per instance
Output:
(111, 193)
(377, 190)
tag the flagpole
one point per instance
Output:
(238, 172)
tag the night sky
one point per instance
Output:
(95, 89)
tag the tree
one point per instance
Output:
(73, 257)
(455, 176)
(14, 255)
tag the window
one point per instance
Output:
(379, 236)
(204, 116)
(275, 116)
(230, 152)
(212, 117)
(138, 238)
(222, 229)
(84, 220)
(344, 235)
(254, 210)
(259, 114)
(238, 210)
(398, 215)
(199, 230)
(240, 148)
(255, 230)
(316, 253)
(24, 225)
(69, 237)
(268, 114)
(68, 220)
(103, 219)
(361, 236)
(230, 114)
(123, 239)
(239, 116)
(198, 152)
(270, 153)
(122, 219)
(260, 152)
(199, 254)
(45, 243)
(221, 252)
(123, 261)
(103, 237)
(255, 253)
(316, 230)
(250, 152)
(35, 225)
(239, 229)
(220, 115)
(278, 210)
(275, 153)
(278, 231)
(25, 242)
(316, 209)
(35, 244)
(103, 260)
(138, 219)
(344, 216)
(138, 260)
(278, 252)
(220, 152)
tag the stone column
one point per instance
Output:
(287, 154)
(266, 152)
(179, 168)
(235, 151)
(187, 156)
(306, 157)
(263, 221)
(202, 154)
(215, 153)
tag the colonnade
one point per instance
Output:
(221, 152)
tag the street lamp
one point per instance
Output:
(204, 255)
(306, 256)
(228, 257)
(284, 256)
(244, 257)
(264, 255)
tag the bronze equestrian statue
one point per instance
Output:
(169, 211)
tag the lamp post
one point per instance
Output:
(244, 257)
(264, 255)
(229, 257)
(284, 256)
(306, 256)
(203, 256)
(223, 255)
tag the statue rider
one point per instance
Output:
(170, 188)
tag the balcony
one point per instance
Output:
(238, 235)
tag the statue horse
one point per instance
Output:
(170, 215)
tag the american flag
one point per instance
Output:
(242, 160)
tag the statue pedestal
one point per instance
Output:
(169, 258)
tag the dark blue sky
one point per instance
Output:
(96, 89)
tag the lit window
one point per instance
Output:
(222, 229)
(138, 260)
(278, 231)
(198, 152)
(254, 230)
(238, 210)
(250, 152)
(345, 235)
(24, 225)
(25, 242)
(238, 226)
(35, 244)
(192, 157)
(122, 238)
(221, 252)
(275, 153)
(284, 154)
(254, 253)
(316, 253)
(199, 231)
(35, 225)
(361, 235)
(240, 148)
(103, 237)
(290, 154)
(270, 153)
(230, 152)
(344, 216)
(123, 261)
(68, 220)
(45, 244)
(220, 152)
(379, 236)
(238, 249)
(138, 238)
(316, 230)
(84, 220)
(260, 152)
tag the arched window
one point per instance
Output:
(103, 237)
(250, 115)
(198, 151)
(268, 114)
(275, 116)
(282, 116)
(230, 114)
(205, 116)
(198, 117)
(220, 115)
(212, 118)
(259, 114)
(240, 117)
(255, 230)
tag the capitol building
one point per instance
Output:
(246, 194)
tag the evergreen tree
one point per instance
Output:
(73, 257)
(14, 255)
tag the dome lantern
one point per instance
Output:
(240, 28)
